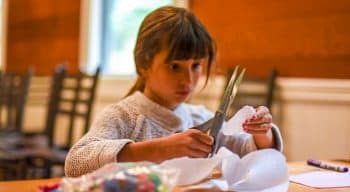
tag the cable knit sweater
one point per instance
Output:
(137, 118)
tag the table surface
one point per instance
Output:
(293, 168)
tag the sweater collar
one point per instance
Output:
(163, 116)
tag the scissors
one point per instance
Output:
(213, 125)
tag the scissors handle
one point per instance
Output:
(213, 127)
(217, 123)
(216, 127)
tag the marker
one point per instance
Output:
(327, 165)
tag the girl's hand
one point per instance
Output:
(260, 123)
(191, 143)
(260, 127)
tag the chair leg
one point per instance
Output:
(47, 169)
(39, 168)
(14, 170)
(21, 172)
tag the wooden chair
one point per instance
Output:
(254, 92)
(13, 96)
(71, 99)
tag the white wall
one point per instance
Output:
(313, 114)
(315, 118)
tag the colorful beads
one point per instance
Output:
(120, 177)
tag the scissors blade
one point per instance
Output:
(228, 91)
(214, 125)
(220, 115)
(235, 89)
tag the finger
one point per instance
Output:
(261, 111)
(197, 154)
(261, 128)
(202, 137)
(265, 119)
(257, 126)
(257, 132)
(198, 145)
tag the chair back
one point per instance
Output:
(254, 92)
(13, 96)
(72, 97)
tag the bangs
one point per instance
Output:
(188, 41)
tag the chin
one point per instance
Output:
(183, 98)
(177, 99)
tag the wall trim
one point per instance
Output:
(316, 90)
(3, 33)
(288, 89)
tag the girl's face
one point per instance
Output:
(170, 84)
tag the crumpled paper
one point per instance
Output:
(262, 170)
(193, 170)
(259, 170)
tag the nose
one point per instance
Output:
(187, 77)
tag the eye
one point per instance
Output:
(174, 66)
(196, 66)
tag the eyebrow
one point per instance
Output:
(194, 60)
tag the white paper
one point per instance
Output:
(192, 170)
(234, 125)
(263, 170)
(322, 179)
(257, 171)
(221, 184)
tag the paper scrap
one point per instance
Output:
(322, 179)
(234, 125)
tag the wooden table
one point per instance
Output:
(300, 167)
(294, 167)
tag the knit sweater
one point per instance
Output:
(137, 118)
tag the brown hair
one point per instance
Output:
(177, 30)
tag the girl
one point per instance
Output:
(152, 123)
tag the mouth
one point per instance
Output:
(183, 93)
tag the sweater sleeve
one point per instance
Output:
(241, 143)
(100, 145)
(277, 138)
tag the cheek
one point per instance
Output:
(166, 80)
(196, 77)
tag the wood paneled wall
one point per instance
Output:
(300, 38)
(42, 34)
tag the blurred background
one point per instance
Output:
(297, 54)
